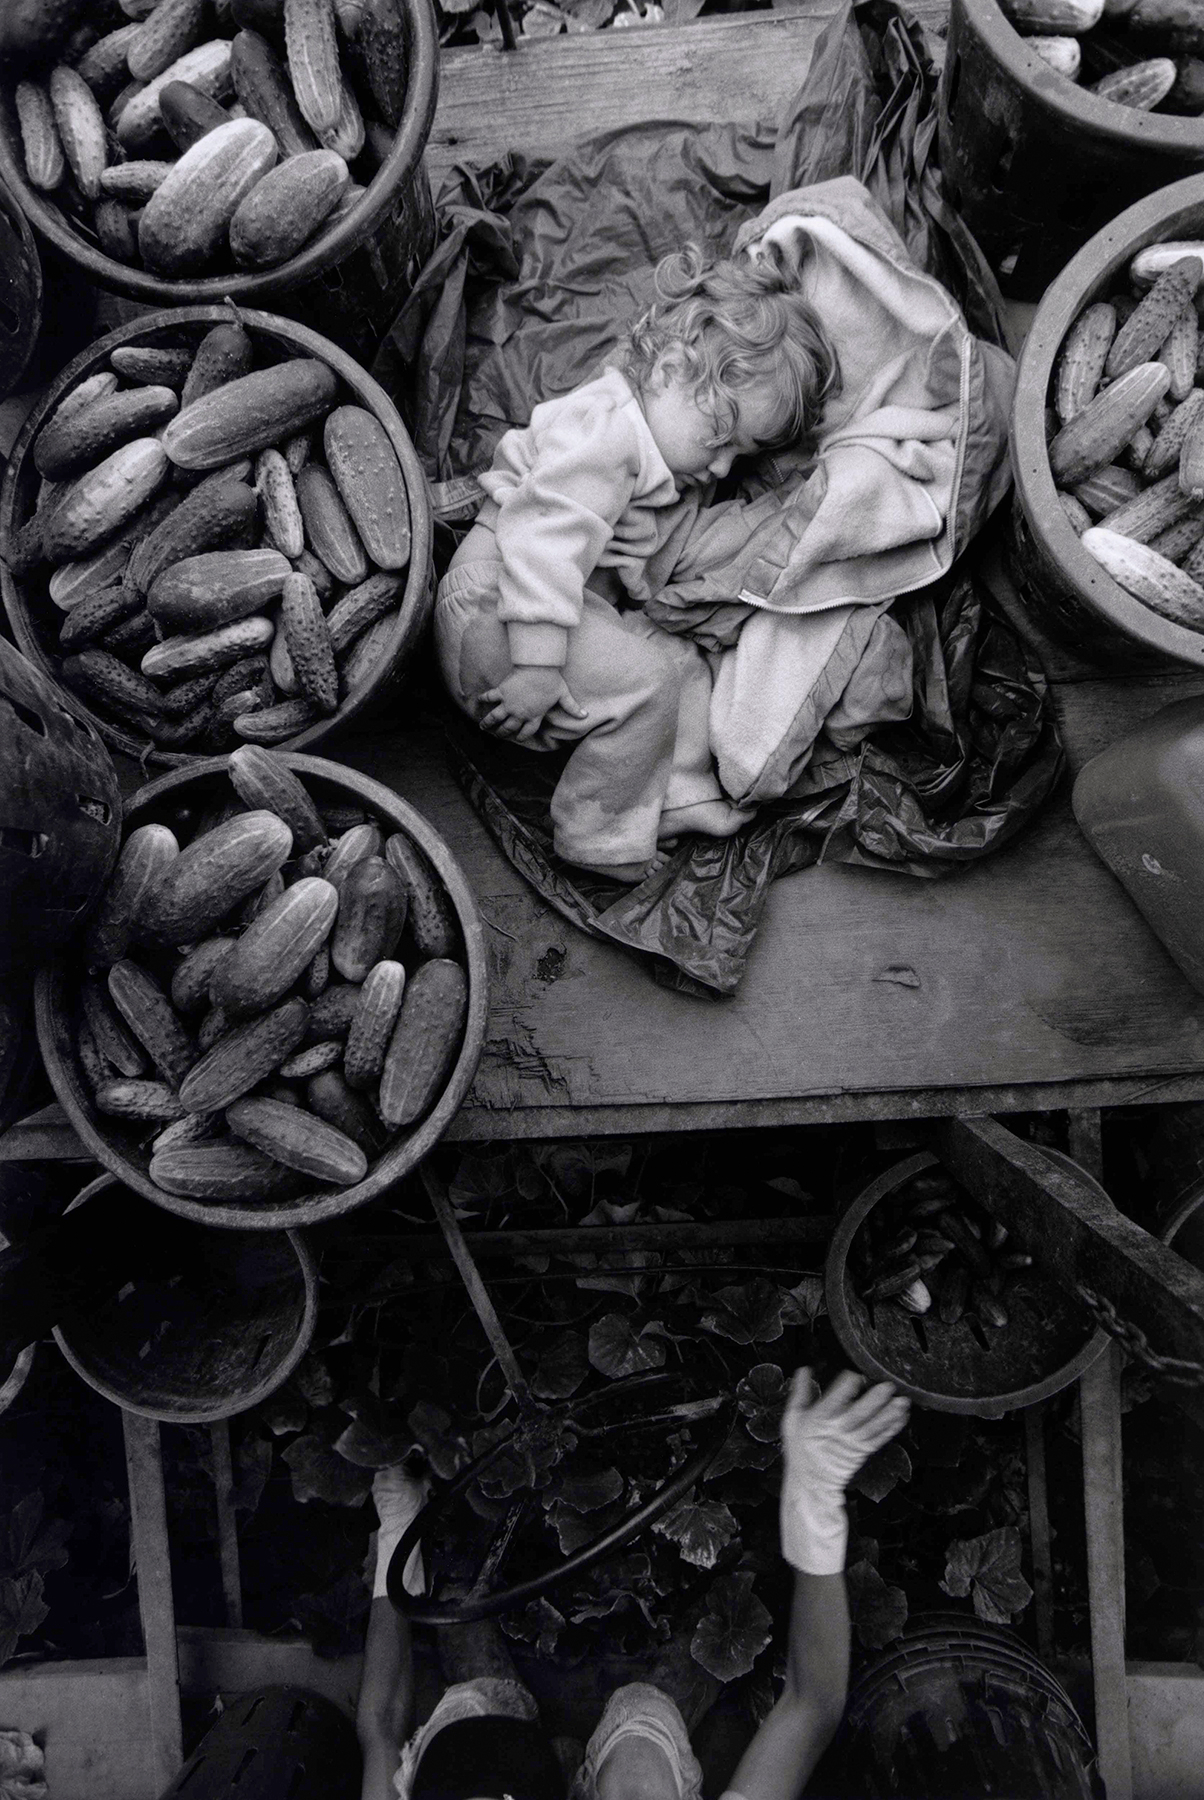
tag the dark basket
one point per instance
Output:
(20, 292)
(958, 1707)
(959, 1368)
(60, 814)
(275, 1744)
(33, 616)
(189, 1325)
(116, 1143)
(348, 282)
(1036, 164)
(1063, 585)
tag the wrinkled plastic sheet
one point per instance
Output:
(540, 265)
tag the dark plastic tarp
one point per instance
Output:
(540, 265)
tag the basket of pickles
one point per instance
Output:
(931, 1291)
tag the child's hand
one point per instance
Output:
(521, 702)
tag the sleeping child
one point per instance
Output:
(730, 361)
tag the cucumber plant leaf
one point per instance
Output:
(446, 1449)
(285, 1410)
(22, 1610)
(539, 1624)
(741, 1452)
(987, 1568)
(320, 1473)
(879, 1612)
(314, 1381)
(701, 1529)
(587, 1491)
(805, 1301)
(333, 1618)
(761, 1395)
(750, 1313)
(563, 1366)
(28, 1544)
(574, 1529)
(615, 1350)
(733, 1630)
(377, 1436)
(884, 1470)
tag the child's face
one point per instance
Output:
(688, 435)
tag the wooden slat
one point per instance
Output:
(1040, 1538)
(152, 1556)
(1103, 1508)
(475, 1125)
(1103, 1503)
(227, 1527)
(550, 91)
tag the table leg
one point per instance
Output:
(152, 1560)
(1038, 1529)
(227, 1528)
(1103, 1503)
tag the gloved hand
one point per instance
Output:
(399, 1496)
(825, 1440)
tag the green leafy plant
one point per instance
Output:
(30, 1546)
(987, 1568)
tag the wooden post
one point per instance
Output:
(1038, 1529)
(1103, 1505)
(152, 1560)
(227, 1528)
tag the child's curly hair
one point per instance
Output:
(737, 324)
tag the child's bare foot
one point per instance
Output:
(713, 818)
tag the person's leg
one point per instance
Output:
(694, 798)
(607, 805)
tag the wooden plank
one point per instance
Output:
(1040, 1537)
(549, 91)
(152, 1557)
(1103, 1508)
(1083, 1239)
(227, 1526)
(1103, 1505)
(475, 1125)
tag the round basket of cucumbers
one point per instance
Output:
(926, 1289)
(279, 1003)
(179, 151)
(214, 529)
(1108, 516)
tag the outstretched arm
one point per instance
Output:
(825, 1440)
(384, 1711)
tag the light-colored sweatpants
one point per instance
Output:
(644, 749)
